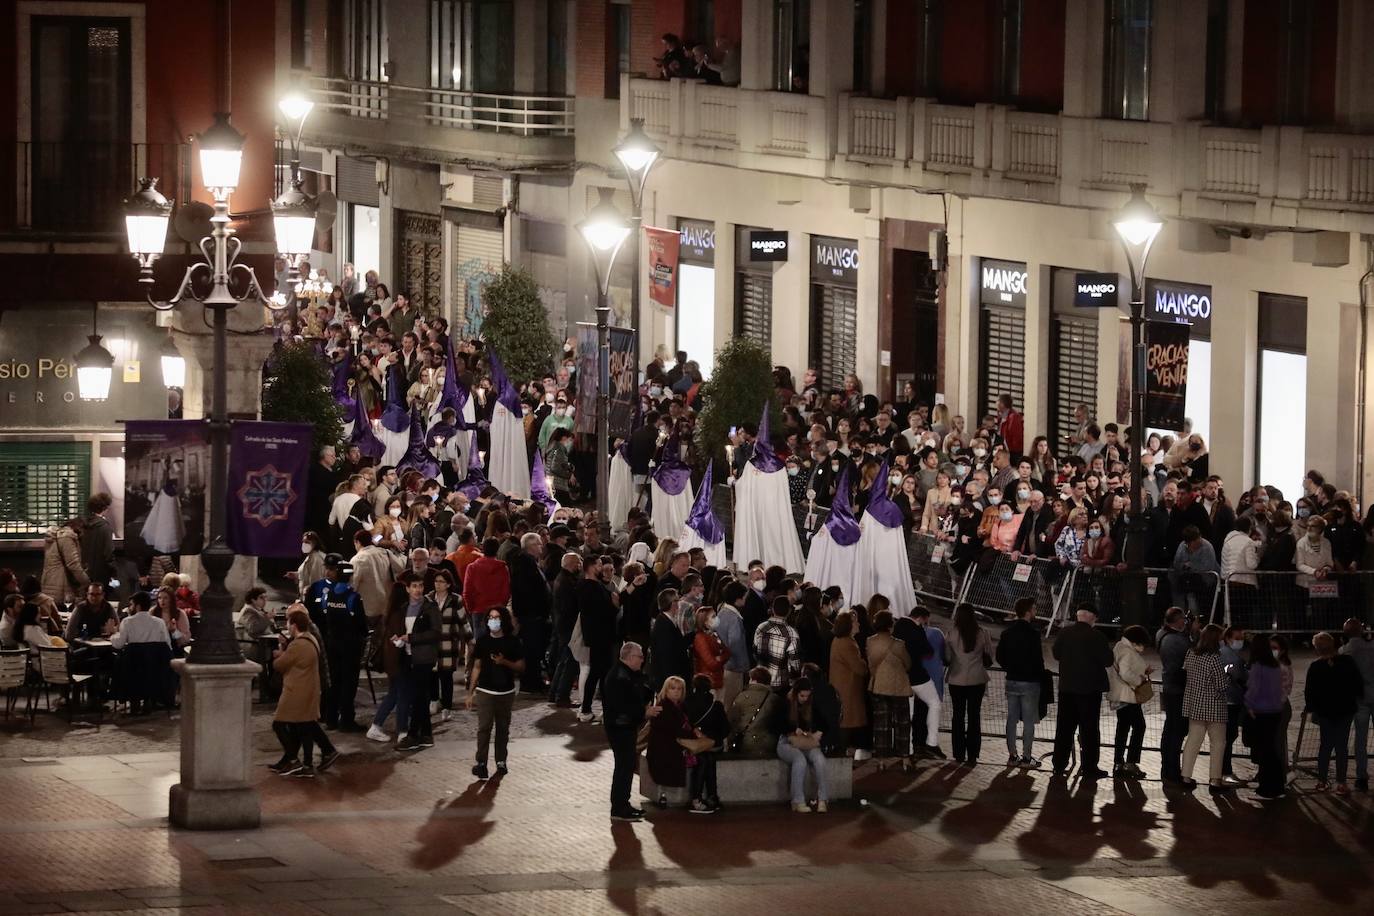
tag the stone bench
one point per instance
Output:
(756, 779)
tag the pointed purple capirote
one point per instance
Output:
(880, 505)
(672, 474)
(841, 523)
(363, 436)
(417, 456)
(455, 393)
(395, 416)
(539, 486)
(505, 391)
(476, 480)
(703, 519)
(764, 458)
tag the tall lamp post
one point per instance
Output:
(212, 793)
(637, 154)
(1137, 225)
(604, 230)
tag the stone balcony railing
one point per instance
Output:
(1272, 176)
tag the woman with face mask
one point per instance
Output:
(311, 569)
(797, 480)
(392, 526)
(1099, 551)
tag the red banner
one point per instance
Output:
(663, 252)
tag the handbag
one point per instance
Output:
(694, 745)
(642, 739)
(803, 742)
(1144, 692)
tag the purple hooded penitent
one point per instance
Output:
(764, 458)
(843, 527)
(672, 475)
(703, 518)
(880, 506)
(417, 456)
(395, 417)
(363, 436)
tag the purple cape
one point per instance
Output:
(703, 518)
(363, 436)
(454, 394)
(417, 456)
(672, 475)
(764, 458)
(843, 527)
(395, 417)
(476, 481)
(505, 391)
(880, 505)
(340, 382)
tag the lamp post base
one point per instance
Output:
(216, 791)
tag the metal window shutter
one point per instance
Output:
(754, 308)
(1002, 355)
(836, 328)
(356, 181)
(477, 256)
(42, 484)
(1073, 376)
(487, 193)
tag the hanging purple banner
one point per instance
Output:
(265, 497)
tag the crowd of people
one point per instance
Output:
(443, 545)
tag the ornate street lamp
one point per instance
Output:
(604, 230)
(94, 366)
(173, 364)
(637, 154)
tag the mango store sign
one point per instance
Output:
(1179, 303)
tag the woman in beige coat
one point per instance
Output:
(889, 688)
(64, 578)
(298, 710)
(1128, 682)
(849, 677)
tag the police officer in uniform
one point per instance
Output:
(338, 611)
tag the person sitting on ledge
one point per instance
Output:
(752, 717)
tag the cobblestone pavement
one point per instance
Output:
(84, 829)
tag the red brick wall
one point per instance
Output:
(595, 69)
(644, 32)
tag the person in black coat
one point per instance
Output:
(1033, 537)
(625, 702)
(1084, 657)
(597, 607)
(669, 653)
(825, 700)
(1019, 653)
(564, 666)
(321, 481)
(531, 603)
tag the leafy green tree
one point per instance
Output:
(740, 384)
(296, 389)
(517, 326)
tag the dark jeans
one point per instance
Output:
(421, 681)
(702, 777)
(534, 639)
(443, 687)
(564, 676)
(600, 667)
(1130, 733)
(493, 711)
(289, 739)
(298, 739)
(1171, 739)
(340, 698)
(1265, 751)
(622, 740)
(966, 731)
(1078, 712)
(1233, 713)
(1334, 736)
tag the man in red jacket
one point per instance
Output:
(1011, 425)
(486, 583)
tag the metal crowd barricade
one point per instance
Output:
(1302, 752)
(1290, 602)
(1105, 590)
(993, 587)
(931, 574)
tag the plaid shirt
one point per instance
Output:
(776, 647)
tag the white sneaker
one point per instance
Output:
(861, 754)
(586, 718)
(434, 708)
(376, 734)
(446, 714)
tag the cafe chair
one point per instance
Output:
(14, 673)
(54, 670)
(145, 676)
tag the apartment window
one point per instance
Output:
(365, 52)
(1126, 60)
(300, 36)
(620, 11)
(471, 45)
(702, 25)
(932, 25)
(1009, 18)
(556, 50)
(1282, 407)
(1295, 63)
(863, 45)
(1216, 59)
(792, 45)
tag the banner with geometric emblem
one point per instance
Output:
(265, 499)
